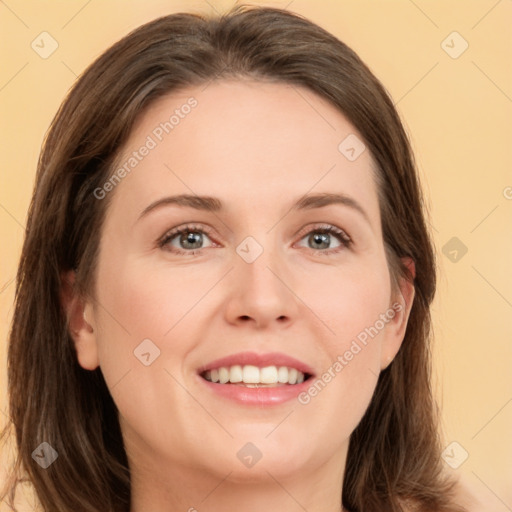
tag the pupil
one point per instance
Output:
(321, 238)
(191, 238)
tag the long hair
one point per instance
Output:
(394, 453)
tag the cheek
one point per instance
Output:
(140, 301)
(149, 302)
(133, 312)
(174, 307)
(171, 307)
(347, 300)
(353, 307)
(147, 311)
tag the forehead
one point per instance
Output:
(243, 141)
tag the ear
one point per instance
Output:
(401, 306)
(80, 316)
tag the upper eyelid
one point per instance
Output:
(325, 226)
(172, 233)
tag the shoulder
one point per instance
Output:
(467, 497)
(463, 495)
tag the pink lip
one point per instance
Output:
(256, 396)
(259, 360)
(263, 396)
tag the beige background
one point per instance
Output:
(458, 112)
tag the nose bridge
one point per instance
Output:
(259, 261)
(259, 290)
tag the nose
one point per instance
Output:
(261, 293)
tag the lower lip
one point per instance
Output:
(257, 396)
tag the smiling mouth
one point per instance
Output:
(254, 377)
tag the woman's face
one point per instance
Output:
(263, 171)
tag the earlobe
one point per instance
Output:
(80, 322)
(402, 308)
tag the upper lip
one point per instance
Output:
(259, 360)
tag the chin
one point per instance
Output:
(248, 459)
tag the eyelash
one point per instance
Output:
(343, 238)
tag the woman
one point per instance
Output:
(223, 296)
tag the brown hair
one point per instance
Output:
(394, 453)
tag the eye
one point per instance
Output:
(190, 239)
(319, 239)
(185, 240)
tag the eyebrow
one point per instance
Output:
(212, 204)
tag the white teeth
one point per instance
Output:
(268, 375)
(252, 375)
(235, 374)
(282, 375)
(223, 375)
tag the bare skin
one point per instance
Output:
(258, 148)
